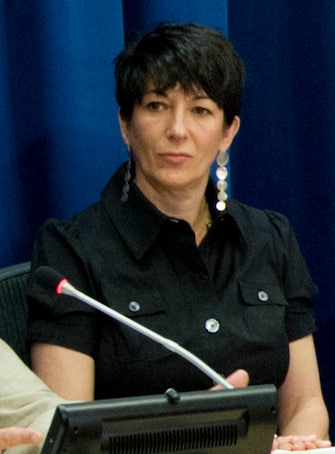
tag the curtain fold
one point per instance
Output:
(284, 157)
(59, 140)
(142, 15)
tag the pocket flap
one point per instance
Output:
(147, 304)
(257, 293)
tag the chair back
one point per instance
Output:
(14, 308)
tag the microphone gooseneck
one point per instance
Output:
(50, 278)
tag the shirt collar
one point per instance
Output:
(139, 222)
(234, 212)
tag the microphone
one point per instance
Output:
(50, 278)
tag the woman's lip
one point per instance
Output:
(175, 157)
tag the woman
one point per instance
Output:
(165, 247)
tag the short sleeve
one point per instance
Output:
(298, 285)
(61, 319)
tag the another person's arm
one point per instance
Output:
(303, 417)
(26, 405)
(14, 436)
(67, 372)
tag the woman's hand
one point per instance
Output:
(239, 379)
(14, 436)
(301, 408)
(299, 443)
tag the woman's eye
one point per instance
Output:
(155, 106)
(202, 111)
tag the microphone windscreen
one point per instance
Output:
(48, 277)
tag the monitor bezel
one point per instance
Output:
(90, 424)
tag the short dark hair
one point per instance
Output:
(189, 54)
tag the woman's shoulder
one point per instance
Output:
(250, 213)
(259, 221)
(81, 218)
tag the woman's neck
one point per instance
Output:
(202, 222)
(191, 207)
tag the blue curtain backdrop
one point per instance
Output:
(59, 138)
(284, 156)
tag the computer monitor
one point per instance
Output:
(235, 421)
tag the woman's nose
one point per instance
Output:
(176, 127)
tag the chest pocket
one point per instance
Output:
(264, 306)
(258, 294)
(149, 311)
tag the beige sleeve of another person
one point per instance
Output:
(25, 401)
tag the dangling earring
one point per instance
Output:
(127, 177)
(222, 173)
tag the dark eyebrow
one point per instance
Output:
(196, 97)
(162, 93)
(155, 92)
(204, 96)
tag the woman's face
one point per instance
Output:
(174, 137)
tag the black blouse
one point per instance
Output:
(236, 301)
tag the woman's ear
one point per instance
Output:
(229, 133)
(123, 128)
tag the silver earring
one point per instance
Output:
(127, 177)
(222, 185)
